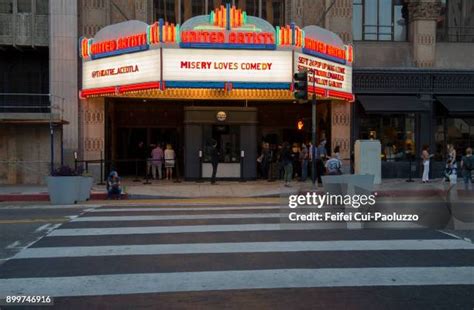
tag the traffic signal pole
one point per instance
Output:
(313, 112)
(301, 90)
(313, 127)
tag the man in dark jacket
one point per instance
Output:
(214, 153)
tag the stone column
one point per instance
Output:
(341, 127)
(93, 122)
(93, 132)
(422, 15)
(63, 57)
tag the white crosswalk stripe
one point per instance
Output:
(183, 249)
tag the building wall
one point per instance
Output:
(25, 153)
(63, 60)
(454, 56)
(25, 28)
(383, 55)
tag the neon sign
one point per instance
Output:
(324, 48)
(223, 37)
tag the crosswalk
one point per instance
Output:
(203, 255)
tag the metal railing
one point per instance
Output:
(26, 103)
(142, 168)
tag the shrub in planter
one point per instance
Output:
(64, 186)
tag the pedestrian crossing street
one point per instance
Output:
(204, 254)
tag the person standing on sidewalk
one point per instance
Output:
(467, 165)
(287, 162)
(157, 162)
(304, 156)
(451, 166)
(214, 154)
(425, 156)
(320, 157)
(313, 152)
(170, 157)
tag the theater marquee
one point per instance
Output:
(333, 77)
(122, 70)
(226, 66)
(225, 53)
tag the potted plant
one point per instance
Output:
(64, 186)
(86, 186)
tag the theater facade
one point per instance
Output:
(224, 77)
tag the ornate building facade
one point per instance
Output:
(412, 74)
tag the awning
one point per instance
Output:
(392, 104)
(457, 104)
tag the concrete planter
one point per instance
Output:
(64, 190)
(85, 188)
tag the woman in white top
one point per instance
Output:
(170, 157)
(425, 156)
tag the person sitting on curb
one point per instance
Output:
(334, 165)
(114, 189)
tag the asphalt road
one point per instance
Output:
(21, 225)
(234, 257)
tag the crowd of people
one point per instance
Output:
(452, 169)
(298, 161)
(290, 162)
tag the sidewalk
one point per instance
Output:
(226, 189)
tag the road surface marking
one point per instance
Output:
(247, 247)
(190, 229)
(119, 284)
(13, 245)
(187, 209)
(27, 221)
(178, 217)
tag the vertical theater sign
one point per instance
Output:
(225, 55)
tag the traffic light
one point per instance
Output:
(300, 124)
(300, 85)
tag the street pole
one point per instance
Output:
(313, 112)
(313, 129)
(51, 134)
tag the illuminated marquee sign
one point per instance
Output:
(154, 34)
(122, 70)
(121, 43)
(227, 37)
(226, 66)
(330, 78)
(226, 49)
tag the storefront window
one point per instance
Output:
(460, 133)
(228, 142)
(395, 132)
(440, 139)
